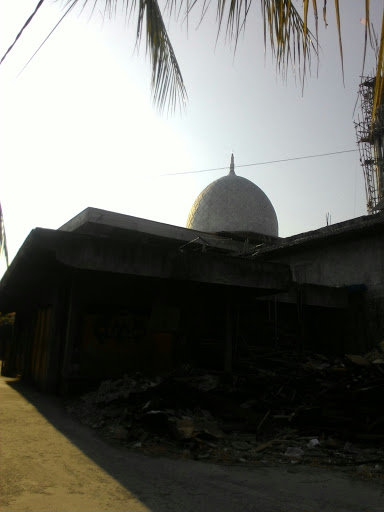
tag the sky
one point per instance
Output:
(78, 127)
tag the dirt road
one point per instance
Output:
(48, 462)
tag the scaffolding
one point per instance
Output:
(370, 141)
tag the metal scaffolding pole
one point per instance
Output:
(370, 141)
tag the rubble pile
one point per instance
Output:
(318, 394)
(275, 407)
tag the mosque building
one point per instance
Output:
(107, 293)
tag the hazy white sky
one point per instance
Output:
(78, 128)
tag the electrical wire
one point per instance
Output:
(46, 39)
(262, 163)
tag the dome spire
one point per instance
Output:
(232, 166)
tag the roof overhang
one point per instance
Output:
(47, 255)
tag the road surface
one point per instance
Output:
(48, 462)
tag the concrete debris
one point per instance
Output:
(241, 445)
(201, 382)
(362, 361)
(183, 428)
(294, 452)
(186, 428)
(119, 432)
(349, 448)
(313, 443)
(308, 408)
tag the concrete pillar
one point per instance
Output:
(228, 354)
(71, 325)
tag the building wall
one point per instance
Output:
(98, 326)
(355, 263)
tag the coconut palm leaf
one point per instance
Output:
(285, 32)
(40, 3)
(3, 238)
(168, 89)
(378, 93)
(167, 82)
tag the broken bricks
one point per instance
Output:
(187, 427)
(323, 398)
(182, 428)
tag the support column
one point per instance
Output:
(228, 354)
(70, 335)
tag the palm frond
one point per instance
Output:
(378, 99)
(290, 40)
(39, 4)
(285, 32)
(338, 21)
(3, 238)
(167, 82)
(168, 89)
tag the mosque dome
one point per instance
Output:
(233, 204)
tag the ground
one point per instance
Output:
(51, 462)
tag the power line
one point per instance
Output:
(46, 39)
(262, 163)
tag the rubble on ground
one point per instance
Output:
(276, 407)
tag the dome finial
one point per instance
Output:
(232, 166)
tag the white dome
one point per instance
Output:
(233, 204)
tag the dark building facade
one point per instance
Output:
(109, 293)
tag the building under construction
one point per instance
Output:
(370, 140)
